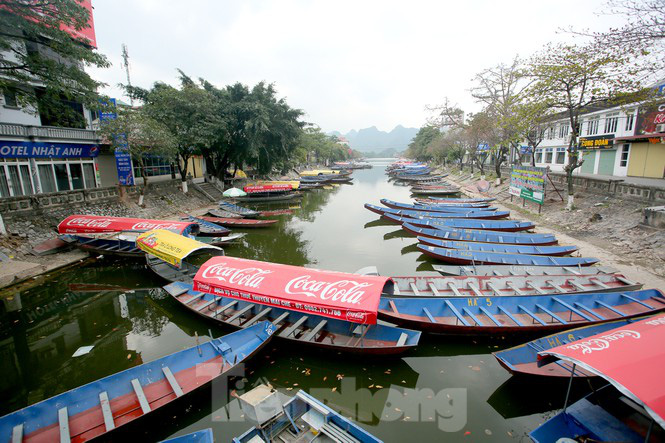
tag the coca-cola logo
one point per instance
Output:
(602, 342)
(248, 277)
(146, 226)
(149, 241)
(89, 222)
(358, 317)
(346, 291)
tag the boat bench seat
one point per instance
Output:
(337, 434)
(600, 422)
(402, 339)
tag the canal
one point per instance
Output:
(448, 389)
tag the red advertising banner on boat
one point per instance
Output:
(631, 357)
(94, 224)
(282, 187)
(349, 297)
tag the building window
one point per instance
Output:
(611, 121)
(630, 120)
(10, 98)
(550, 133)
(592, 127)
(46, 178)
(153, 166)
(563, 131)
(548, 155)
(625, 152)
(560, 155)
(539, 155)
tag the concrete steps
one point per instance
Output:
(211, 191)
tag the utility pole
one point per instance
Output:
(125, 62)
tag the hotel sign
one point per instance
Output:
(597, 142)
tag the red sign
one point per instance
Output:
(87, 33)
(350, 297)
(281, 187)
(651, 120)
(94, 224)
(631, 357)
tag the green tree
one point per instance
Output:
(188, 113)
(43, 65)
(134, 131)
(571, 78)
(419, 146)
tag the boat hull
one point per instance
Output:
(463, 235)
(485, 316)
(558, 251)
(465, 257)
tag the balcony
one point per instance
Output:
(48, 132)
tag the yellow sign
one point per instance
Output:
(318, 172)
(169, 246)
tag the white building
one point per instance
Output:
(600, 131)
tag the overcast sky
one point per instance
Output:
(347, 64)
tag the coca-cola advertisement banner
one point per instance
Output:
(254, 189)
(350, 297)
(631, 357)
(94, 224)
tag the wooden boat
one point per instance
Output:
(436, 208)
(238, 222)
(501, 248)
(483, 286)
(449, 191)
(489, 225)
(169, 255)
(206, 227)
(459, 200)
(483, 215)
(420, 178)
(466, 257)
(51, 246)
(237, 209)
(517, 314)
(429, 201)
(523, 359)
(293, 326)
(268, 198)
(301, 418)
(481, 270)
(95, 224)
(221, 213)
(473, 235)
(221, 241)
(111, 245)
(341, 180)
(120, 401)
(274, 212)
(631, 407)
(202, 436)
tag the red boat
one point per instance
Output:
(238, 222)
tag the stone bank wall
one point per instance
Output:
(32, 219)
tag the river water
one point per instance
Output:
(447, 389)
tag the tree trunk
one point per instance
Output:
(183, 171)
(144, 176)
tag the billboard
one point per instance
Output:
(14, 149)
(528, 182)
(87, 33)
(651, 120)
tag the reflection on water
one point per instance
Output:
(117, 307)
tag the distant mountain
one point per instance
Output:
(371, 139)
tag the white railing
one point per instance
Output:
(49, 132)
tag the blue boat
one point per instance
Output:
(490, 225)
(206, 227)
(237, 209)
(437, 208)
(463, 200)
(297, 327)
(472, 235)
(202, 436)
(466, 257)
(489, 215)
(523, 359)
(301, 418)
(503, 249)
(517, 314)
(117, 403)
(103, 245)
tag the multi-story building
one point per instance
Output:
(618, 141)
